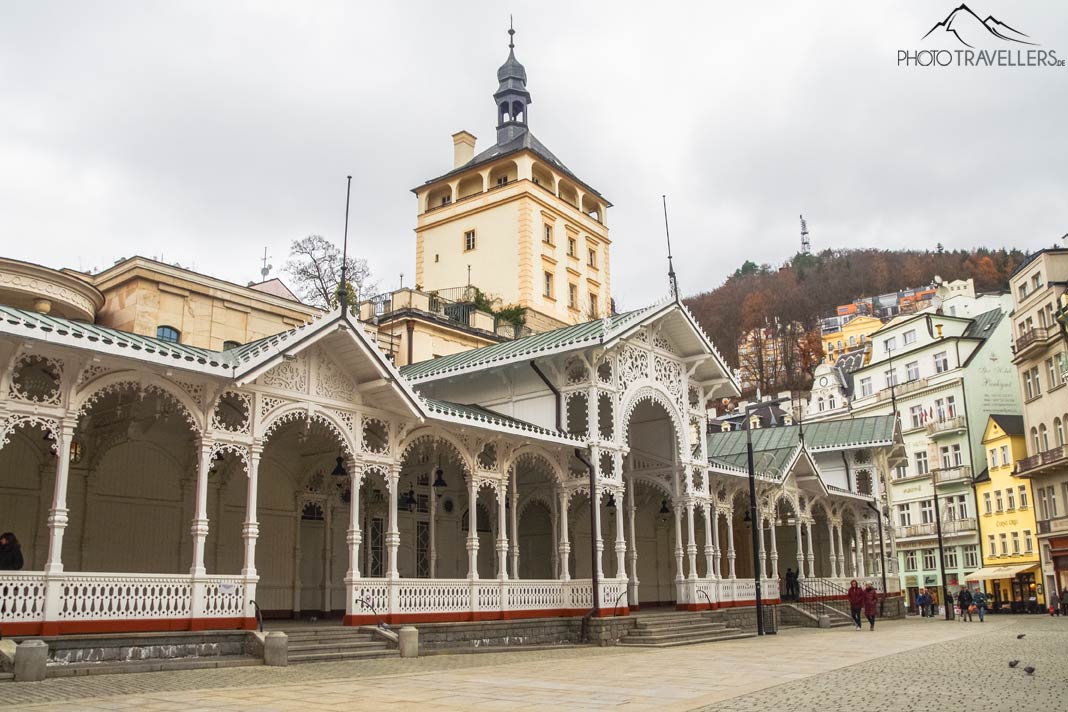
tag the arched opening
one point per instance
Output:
(303, 518)
(131, 499)
(438, 197)
(568, 192)
(534, 487)
(543, 176)
(592, 207)
(502, 174)
(789, 548)
(471, 185)
(26, 464)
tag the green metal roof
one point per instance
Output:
(825, 435)
(983, 324)
(486, 417)
(527, 347)
(78, 333)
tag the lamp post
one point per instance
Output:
(757, 533)
(882, 555)
(941, 548)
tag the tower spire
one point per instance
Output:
(511, 33)
(672, 281)
(511, 97)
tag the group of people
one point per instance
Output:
(968, 603)
(10, 553)
(863, 599)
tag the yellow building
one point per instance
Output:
(150, 298)
(515, 221)
(853, 335)
(1007, 520)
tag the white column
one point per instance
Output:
(502, 533)
(679, 573)
(833, 559)
(691, 543)
(328, 557)
(841, 551)
(515, 526)
(433, 543)
(800, 550)
(199, 528)
(632, 552)
(57, 515)
(393, 535)
(621, 542)
(731, 553)
(298, 517)
(717, 554)
(762, 557)
(353, 537)
(250, 531)
(555, 553)
(595, 531)
(472, 529)
(565, 541)
(710, 548)
(810, 555)
(774, 549)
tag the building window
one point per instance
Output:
(992, 542)
(1058, 431)
(927, 512)
(1023, 497)
(922, 467)
(993, 457)
(1000, 501)
(591, 258)
(168, 333)
(227, 345)
(909, 337)
(912, 371)
(1005, 455)
(971, 556)
(593, 306)
(958, 456)
(960, 511)
(547, 288)
(891, 377)
(1034, 441)
(1022, 291)
(502, 180)
(570, 247)
(904, 515)
(572, 296)
(1016, 543)
(1036, 280)
(901, 471)
(1032, 386)
(890, 344)
(1043, 504)
(1051, 377)
(987, 507)
(1010, 495)
(469, 240)
(548, 237)
(1029, 544)
(1004, 538)
(1043, 435)
(916, 415)
(941, 361)
(865, 387)
(831, 403)
(951, 558)
(910, 561)
(928, 559)
(1052, 502)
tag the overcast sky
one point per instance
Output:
(206, 131)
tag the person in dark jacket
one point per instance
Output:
(856, 601)
(10, 553)
(964, 600)
(871, 604)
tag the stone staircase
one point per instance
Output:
(663, 630)
(807, 615)
(333, 643)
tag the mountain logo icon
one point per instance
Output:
(966, 27)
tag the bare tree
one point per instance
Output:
(314, 265)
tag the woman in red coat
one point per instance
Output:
(871, 604)
(856, 602)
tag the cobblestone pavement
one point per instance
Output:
(902, 665)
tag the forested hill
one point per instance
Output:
(811, 286)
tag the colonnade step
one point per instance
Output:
(662, 630)
(327, 644)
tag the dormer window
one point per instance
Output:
(168, 333)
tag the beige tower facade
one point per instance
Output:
(515, 222)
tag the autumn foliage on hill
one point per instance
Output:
(809, 287)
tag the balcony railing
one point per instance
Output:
(930, 529)
(1042, 459)
(458, 305)
(947, 426)
(1056, 525)
(1031, 336)
(960, 473)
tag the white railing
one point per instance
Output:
(223, 596)
(124, 597)
(535, 595)
(22, 597)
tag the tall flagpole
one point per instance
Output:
(671, 266)
(343, 287)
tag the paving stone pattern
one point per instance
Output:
(902, 665)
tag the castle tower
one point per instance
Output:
(514, 221)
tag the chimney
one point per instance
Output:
(463, 148)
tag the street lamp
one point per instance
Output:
(941, 548)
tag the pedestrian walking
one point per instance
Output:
(871, 604)
(964, 600)
(791, 584)
(10, 553)
(979, 600)
(923, 603)
(856, 602)
(1064, 601)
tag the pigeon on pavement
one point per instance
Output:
(1013, 663)
(1020, 636)
(1029, 670)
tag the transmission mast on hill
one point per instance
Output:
(806, 247)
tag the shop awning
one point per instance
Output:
(997, 572)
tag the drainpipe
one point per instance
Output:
(849, 475)
(411, 332)
(555, 392)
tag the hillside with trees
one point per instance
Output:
(809, 287)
